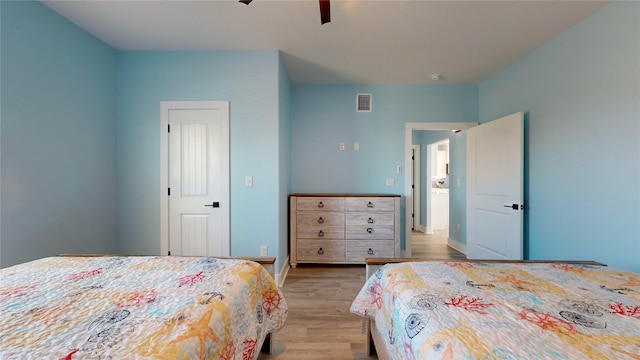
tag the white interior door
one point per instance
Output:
(494, 189)
(198, 178)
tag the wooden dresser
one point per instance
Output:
(343, 228)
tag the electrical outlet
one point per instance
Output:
(356, 146)
(264, 250)
(342, 146)
(390, 181)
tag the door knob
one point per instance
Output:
(214, 204)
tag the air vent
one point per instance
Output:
(363, 103)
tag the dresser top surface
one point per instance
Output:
(343, 195)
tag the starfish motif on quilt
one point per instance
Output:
(200, 329)
(631, 281)
(511, 279)
(392, 283)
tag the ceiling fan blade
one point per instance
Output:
(246, 2)
(325, 11)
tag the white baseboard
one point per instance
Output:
(457, 245)
(282, 275)
(428, 230)
(420, 228)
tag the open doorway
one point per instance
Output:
(409, 200)
(437, 187)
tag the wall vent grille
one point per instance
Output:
(363, 103)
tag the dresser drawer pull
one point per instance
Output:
(320, 233)
(320, 204)
(370, 252)
(320, 220)
(370, 204)
(369, 230)
(370, 221)
(320, 251)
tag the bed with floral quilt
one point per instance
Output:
(498, 310)
(147, 307)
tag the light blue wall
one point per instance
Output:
(58, 137)
(323, 116)
(251, 81)
(581, 94)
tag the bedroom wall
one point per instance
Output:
(581, 94)
(251, 81)
(58, 131)
(322, 116)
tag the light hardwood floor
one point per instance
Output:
(319, 324)
(433, 246)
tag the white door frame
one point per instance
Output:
(416, 188)
(408, 132)
(165, 107)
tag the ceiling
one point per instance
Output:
(366, 42)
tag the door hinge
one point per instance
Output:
(169, 253)
(168, 191)
(168, 127)
(412, 215)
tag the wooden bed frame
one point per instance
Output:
(268, 262)
(376, 345)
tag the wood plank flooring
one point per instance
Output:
(320, 326)
(433, 246)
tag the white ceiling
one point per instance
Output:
(366, 42)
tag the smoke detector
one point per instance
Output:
(435, 77)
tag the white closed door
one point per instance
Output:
(198, 191)
(495, 189)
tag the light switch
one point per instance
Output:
(399, 169)
(356, 146)
(341, 146)
(248, 181)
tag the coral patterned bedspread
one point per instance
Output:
(163, 307)
(466, 310)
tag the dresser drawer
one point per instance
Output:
(370, 204)
(320, 232)
(320, 204)
(359, 250)
(320, 250)
(370, 218)
(361, 232)
(320, 218)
